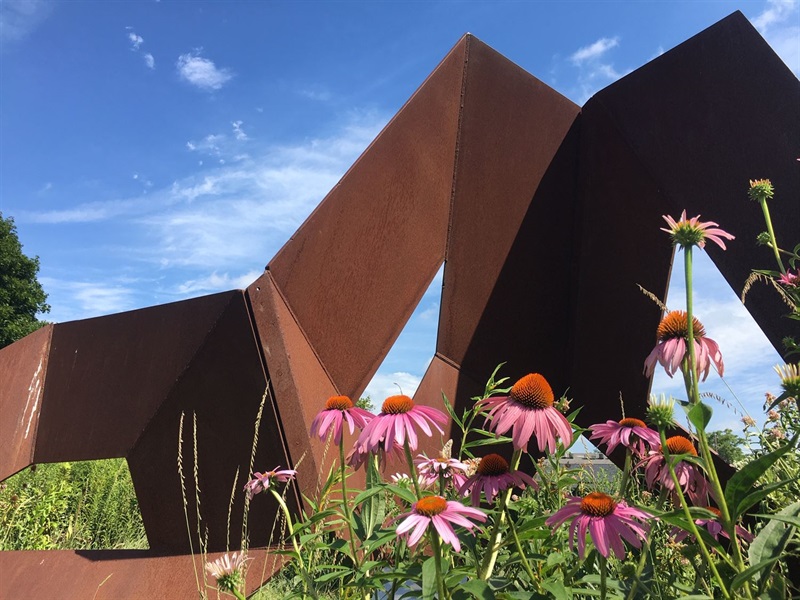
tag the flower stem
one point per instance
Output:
(646, 548)
(525, 564)
(238, 594)
(412, 469)
(437, 561)
(626, 473)
(773, 241)
(690, 520)
(345, 504)
(490, 558)
(603, 569)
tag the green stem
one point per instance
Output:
(437, 561)
(345, 505)
(288, 515)
(690, 520)
(238, 594)
(646, 547)
(773, 241)
(687, 262)
(603, 569)
(525, 564)
(626, 474)
(412, 469)
(492, 550)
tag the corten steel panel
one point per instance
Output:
(108, 376)
(512, 126)
(23, 368)
(524, 321)
(365, 257)
(300, 381)
(223, 386)
(115, 574)
(718, 110)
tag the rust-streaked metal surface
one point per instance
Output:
(23, 367)
(546, 216)
(116, 574)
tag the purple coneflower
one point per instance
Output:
(528, 409)
(694, 232)
(227, 571)
(493, 477)
(337, 411)
(261, 481)
(630, 432)
(443, 514)
(714, 527)
(789, 279)
(396, 423)
(430, 469)
(671, 349)
(607, 521)
(690, 478)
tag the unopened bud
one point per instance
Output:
(660, 411)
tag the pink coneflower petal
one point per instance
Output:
(443, 514)
(606, 521)
(672, 350)
(338, 411)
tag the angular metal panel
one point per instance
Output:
(223, 386)
(115, 574)
(511, 128)
(108, 376)
(24, 367)
(364, 258)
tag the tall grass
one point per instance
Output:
(71, 505)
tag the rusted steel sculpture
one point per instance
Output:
(543, 213)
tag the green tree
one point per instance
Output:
(727, 444)
(21, 294)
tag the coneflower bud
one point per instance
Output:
(660, 411)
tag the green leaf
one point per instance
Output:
(452, 412)
(429, 578)
(745, 575)
(331, 572)
(740, 484)
(557, 589)
(771, 541)
(760, 494)
(479, 589)
(403, 493)
(373, 511)
(699, 415)
(783, 519)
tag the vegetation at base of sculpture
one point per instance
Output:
(487, 519)
(21, 294)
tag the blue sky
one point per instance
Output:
(154, 151)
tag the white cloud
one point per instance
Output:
(217, 283)
(202, 72)
(149, 60)
(594, 51)
(384, 385)
(136, 40)
(237, 130)
(779, 23)
(80, 299)
(318, 94)
(18, 18)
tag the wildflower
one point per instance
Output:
(714, 527)
(337, 411)
(671, 349)
(430, 469)
(493, 477)
(227, 571)
(790, 378)
(773, 415)
(261, 481)
(694, 232)
(777, 433)
(690, 478)
(607, 521)
(760, 190)
(528, 409)
(630, 432)
(396, 423)
(660, 411)
(749, 421)
(401, 478)
(789, 279)
(443, 514)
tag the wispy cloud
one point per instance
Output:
(202, 72)
(216, 282)
(135, 40)
(18, 18)
(149, 60)
(595, 70)
(779, 23)
(238, 132)
(83, 298)
(594, 51)
(384, 385)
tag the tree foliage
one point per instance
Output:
(21, 294)
(727, 444)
